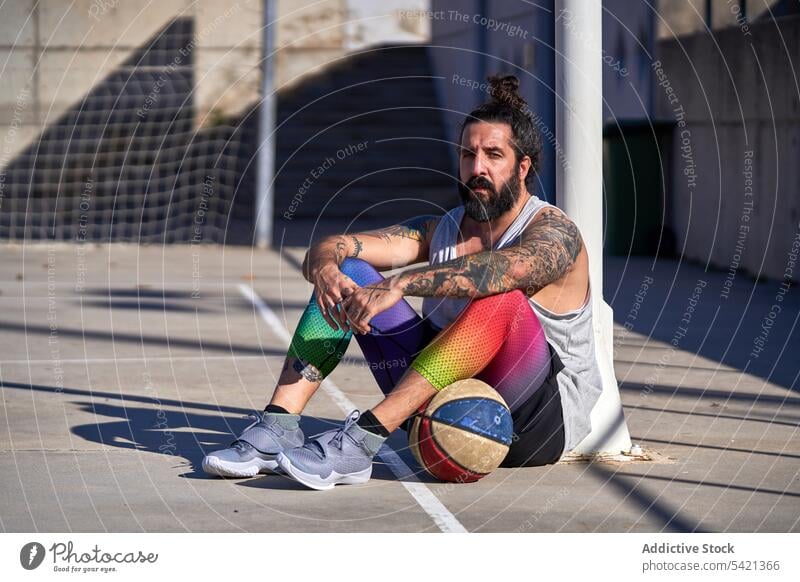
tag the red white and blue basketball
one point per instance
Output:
(463, 433)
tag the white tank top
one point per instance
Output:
(571, 334)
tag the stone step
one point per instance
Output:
(382, 94)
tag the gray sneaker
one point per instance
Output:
(256, 448)
(341, 456)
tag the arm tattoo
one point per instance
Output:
(337, 248)
(546, 252)
(358, 246)
(340, 251)
(476, 275)
(416, 228)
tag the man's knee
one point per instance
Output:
(353, 265)
(360, 271)
(507, 298)
(500, 306)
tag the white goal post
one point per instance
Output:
(579, 192)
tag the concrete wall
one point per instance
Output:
(373, 23)
(52, 52)
(518, 38)
(471, 40)
(628, 41)
(735, 196)
(454, 56)
(681, 17)
(310, 34)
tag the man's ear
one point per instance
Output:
(524, 168)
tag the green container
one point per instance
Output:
(636, 169)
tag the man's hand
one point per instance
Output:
(321, 268)
(331, 287)
(385, 248)
(367, 302)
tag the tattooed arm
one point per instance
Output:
(546, 252)
(395, 246)
(385, 248)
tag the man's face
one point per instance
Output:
(490, 176)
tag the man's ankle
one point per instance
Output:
(369, 422)
(275, 409)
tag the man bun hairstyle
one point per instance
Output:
(506, 105)
(505, 91)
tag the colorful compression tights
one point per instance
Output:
(497, 339)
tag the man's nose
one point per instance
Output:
(478, 165)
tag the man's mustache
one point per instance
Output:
(479, 182)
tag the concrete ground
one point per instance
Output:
(121, 365)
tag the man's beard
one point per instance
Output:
(496, 204)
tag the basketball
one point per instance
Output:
(463, 433)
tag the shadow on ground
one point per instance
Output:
(181, 429)
(703, 312)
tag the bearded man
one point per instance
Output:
(507, 300)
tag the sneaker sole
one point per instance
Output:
(318, 483)
(219, 468)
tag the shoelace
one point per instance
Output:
(315, 447)
(337, 438)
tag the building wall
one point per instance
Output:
(374, 23)
(519, 38)
(681, 17)
(56, 52)
(52, 53)
(627, 52)
(472, 40)
(735, 198)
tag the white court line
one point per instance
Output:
(441, 516)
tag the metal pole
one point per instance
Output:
(265, 164)
(579, 191)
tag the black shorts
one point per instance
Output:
(539, 424)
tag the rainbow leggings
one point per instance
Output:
(497, 339)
